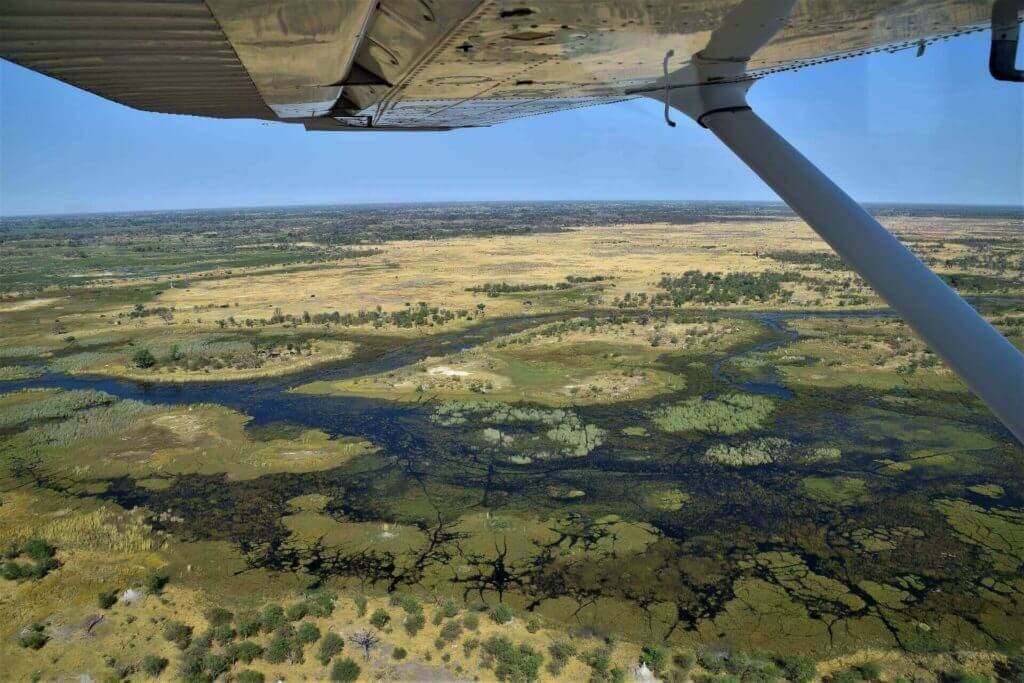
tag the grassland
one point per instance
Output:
(692, 443)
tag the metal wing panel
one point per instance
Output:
(297, 52)
(555, 55)
(427, 64)
(166, 56)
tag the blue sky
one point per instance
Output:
(889, 128)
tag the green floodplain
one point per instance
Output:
(712, 476)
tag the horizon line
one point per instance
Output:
(464, 202)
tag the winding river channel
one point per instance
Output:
(270, 400)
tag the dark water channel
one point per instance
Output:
(269, 400)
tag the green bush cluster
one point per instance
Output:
(501, 613)
(345, 671)
(178, 633)
(330, 646)
(511, 662)
(152, 665)
(380, 618)
(41, 561)
(471, 621)
(763, 451)
(560, 651)
(106, 599)
(693, 286)
(727, 415)
(154, 582)
(33, 637)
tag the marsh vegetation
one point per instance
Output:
(705, 453)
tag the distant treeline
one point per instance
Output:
(382, 223)
(824, 260)
(494, 289)
(693, 286)
(418, 315)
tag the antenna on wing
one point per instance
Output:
(664, 66)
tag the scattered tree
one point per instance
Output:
(365, 640)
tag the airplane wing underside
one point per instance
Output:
(424, 64)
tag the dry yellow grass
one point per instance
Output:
(439, 272)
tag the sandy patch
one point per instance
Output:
(300, 455)
(185, 427)
(447, 371)
(27, 304)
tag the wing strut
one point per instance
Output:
(991, 366)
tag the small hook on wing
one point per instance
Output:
(664, 66)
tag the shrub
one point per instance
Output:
(152, 665)
(40, 568)
(277, 651)
(142, 358)
(246, 651)
(222, 635)
(271, 618)
(399, 653)
(470, 644)
(414, 623)
(345, 671)
(360, 601)
(218, 616)
(296, 611)
(204, 639)
(11, 571)
(451, 631)
(449, 609)
(654, 657)
(33, 637)
(471, 621)
(247, 624)
(800, 669)
(870, 671)
(560, 652)
(320, 604)
(407, 602)
(600, 661)
(215, 664)
(286, 631)
(178, 633)
(192, 663)
(380, 618)
(249, 676)
(332, 644)
(155, 582)
(712, 660)
(511, 662)
(106, 599)
(533, 625)
(501, 613)
(39, 550)
(307, 633)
